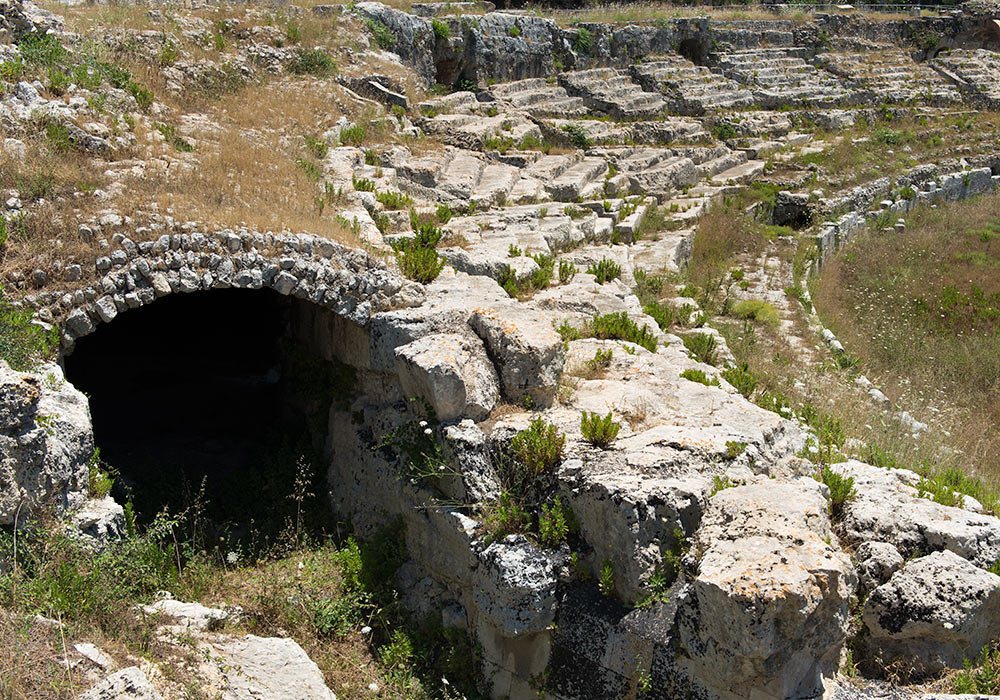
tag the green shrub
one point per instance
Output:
(841, 489)
(605, 270)
(117, 76)
(353, 135)
(577, 136)
(723, 131)
(444, 214)
(542, 275)
(514, 31)
(696, 375)
(584, 42)
(568, 333)
(742, 379)
(599, 431)
(292, 33)
(58, 81)
(663, 315)
(553, 525)
(735, 448)
(42, 49)
(497, 142)
(758, 310)
(99, 478)
(427, 235)
(980, 678)
(567, 271)
(419, 264)
(383, 36)
(505, 517)
(168, 53)
(620, 327)
(318, 147)
(600, 361)
(169, 132)
(143, 97)
(701, 346)
(514, 251)
(606, 581)
(362, 184)
(721, 483)
(538, 447)
(441, 29)
(507, 279)
(394, 200)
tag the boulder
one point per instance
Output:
(451, 373)
(515, 587)
(766, 616)
(127, 684)
(188, 616)
(526, 350)
(876, 562)
(100, 519)
(934, 613)
(887, 509)
(267, 667)
(46, 441)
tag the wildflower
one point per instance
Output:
(428, 431)
(232, 557)
(366, 630)
(373, 687)
(422, 424)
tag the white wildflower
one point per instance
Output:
(366, 630)
(423, 424)
(373, 687)
(428, 431)
(232, 557)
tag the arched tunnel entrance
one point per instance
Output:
(206, 389)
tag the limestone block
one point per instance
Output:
(46, 440)
(127, 684)
(876, 562)
(887, 509)
(451, 373)
(526, 349)
(935, 612)
(278, 669)
(515, 587)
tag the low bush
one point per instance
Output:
(599, 431)
(662, 314)
(605, 270)
(620, 327)
(577, 136)
(538, 447)
(841, 489)
(394, 200)
(441, 29)
(696, 375)
(553, 523)
(741, 378)
(419, 263)
(567, 271)
(701, 346)
(758, 310)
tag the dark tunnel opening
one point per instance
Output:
(205, 390)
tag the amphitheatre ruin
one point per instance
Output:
(447, 350)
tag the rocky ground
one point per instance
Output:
(517, 250)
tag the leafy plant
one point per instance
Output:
(577, 136)
(758, 310)
(841, 489)
(567, 271)
(383, 36)
(734, 448)
(23, 344)
(506, 517)
(568, 333)
(514, 31)
(599, 431)
(606, 581)
(584, 42)
(362, 184)
(513, 251)
(721, 483)
(619, 326)
(441, 29)
(553, 525)
(663, 315)
(99, 478)
(981, 677)
(741, 378)
(419, 263)
(605, 270)
(353, 135)
(394, 200)
(697, 375)
(701, 346)
(539, 447)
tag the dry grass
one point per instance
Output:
(31, 662)
(870, 151)
(723, 233)
(889, 300)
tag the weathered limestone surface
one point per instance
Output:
(934, 613)
(768, 608)
(128, 684)
(45, 442)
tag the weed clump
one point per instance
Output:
(599, 431)
(605, 270)
(538, 447)
(701, 346)
(620, 327)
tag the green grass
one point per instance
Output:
(23, 344)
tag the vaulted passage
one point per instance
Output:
(204, 386)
